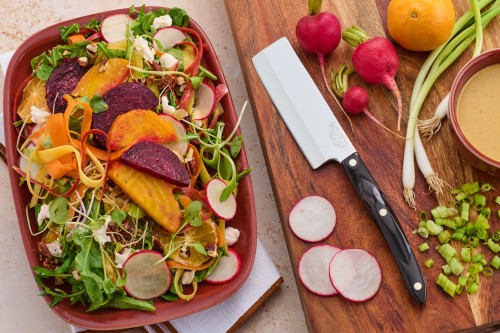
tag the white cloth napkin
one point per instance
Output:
(264, 278)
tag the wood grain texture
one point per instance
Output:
(258, 23)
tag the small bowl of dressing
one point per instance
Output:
(474, 111)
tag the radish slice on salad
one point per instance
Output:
(146, 277)
(114, 27)
(314, 269)
(312, 219)
(227, 268)
(180, 147)
(356, 274)
(167, 38)
(225, 209)
(204, 101)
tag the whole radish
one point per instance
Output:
(319, 33)
(375, 60)
(356, 101)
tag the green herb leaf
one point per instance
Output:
(97, 104)
(200, 248)
(179, 17)
(67, 31)
(170, 297)
(235, 145)
(196, 81)
(43, 72)
(103, 48)
(227, 191)
(59, 210)
(136, 211)
(118, 216)
(192, 213)
(94, 24)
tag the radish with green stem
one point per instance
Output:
(375, 60)
(319, 33)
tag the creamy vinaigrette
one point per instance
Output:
(478, 111)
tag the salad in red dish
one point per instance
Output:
(131, 170)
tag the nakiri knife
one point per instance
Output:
(321, 139)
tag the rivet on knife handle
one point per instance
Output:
(390, 228)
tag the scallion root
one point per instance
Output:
(409, 196)
(429, 127)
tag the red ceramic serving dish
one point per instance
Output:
(245, 219)
(467, 150)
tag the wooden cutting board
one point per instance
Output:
(258, 23)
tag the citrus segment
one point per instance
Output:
(33, 95)
(420, 25)
(186, 253)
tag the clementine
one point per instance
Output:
(420, 25)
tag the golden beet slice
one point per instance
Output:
(152, 194)
(102, 77)
(140, 125)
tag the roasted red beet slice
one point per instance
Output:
(123, 98)
(156, 160)
(63, 80)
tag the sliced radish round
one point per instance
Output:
(168, 37)
(314, 272)
(227, 268)
(146, 278)
(204, 102)
(114, 27)
(181, 145)
(356, 274)
(224, 210)
(312, 219)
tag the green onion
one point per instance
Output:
(468, 199)
(433, 228)
(497, 200)
(485, 187)
(446, 269)
(462, 280)
(459, 234)
(444, 236)
(495, 262)
(452, 224)
(486, 212)
(423, 247)
(443, 212)
(455, 266)
(422, 231)
(459, 289)
(448, 286)
(473, 241)
(487, 271)
(464, 211)
(494, 247)
(465, 254)
(496, 236)
(470, 188)
(447, 251)
(472, 288)
(470, 228)
(423, 216)
(477, 257)
(429, 263)
(475, 268)
(479, 201)
(460, 196)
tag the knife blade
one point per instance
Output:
(321, 139)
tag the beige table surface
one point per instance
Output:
(21, 310)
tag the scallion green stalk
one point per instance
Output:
(448, 286)
(430, 263)
(495, 262)
(465, 254)
(423, 247)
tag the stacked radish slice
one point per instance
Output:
(327, 270)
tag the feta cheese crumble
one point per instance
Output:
(43, 214)
(56, 248)
(100, 235)
(166, 107)
(162, 21)
(168, 61)
(141, 45)
(187, 277)
(120, 258)
(38, 115)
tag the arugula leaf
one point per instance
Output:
(170, 297)
(59, 210)
(142, 23)
(235, 145)
(67, 31)
(124, 302)
(94, 24)
(192, 213)
(103, 47)
(118, 216)
(136, 211)
(179, 17)
(200, 248)
(97, 104)
(43, 72)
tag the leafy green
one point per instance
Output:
(115, 53)
(59, 210)
(235, 145)
(192, 213)
(142, 23)
(118, 216)
(44, 64)
(120, 301)
(179, 17)
(67, 31)
(200, 248)
(97, 104)
(170, 297)
(94, 24)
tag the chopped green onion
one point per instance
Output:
(464, 211)
(494, 247)
(497, 200)
(462, 280)
(433, 228)
(477, 257)
(459, 234)
(487, 271)
(468, 199)
(444, 236)
(460, 196)
(421, 224)
(472, 288)
(423, 247)
(465, 254)
(470, 188)
(459, 289)
(495, 262)
(475, 268)
(479, 201)
(485, 187)
(455, 266)
(486, 212)
(443, 212)
(496, 236)
(473, 241)
(447, 252)
(422, 231)
(447, 223)
(423, 216)
(448, 286)
(470, 228)
(482, 222)
(446, 269)
(483, 262)
(429, 263)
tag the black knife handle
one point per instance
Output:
(388, 225)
